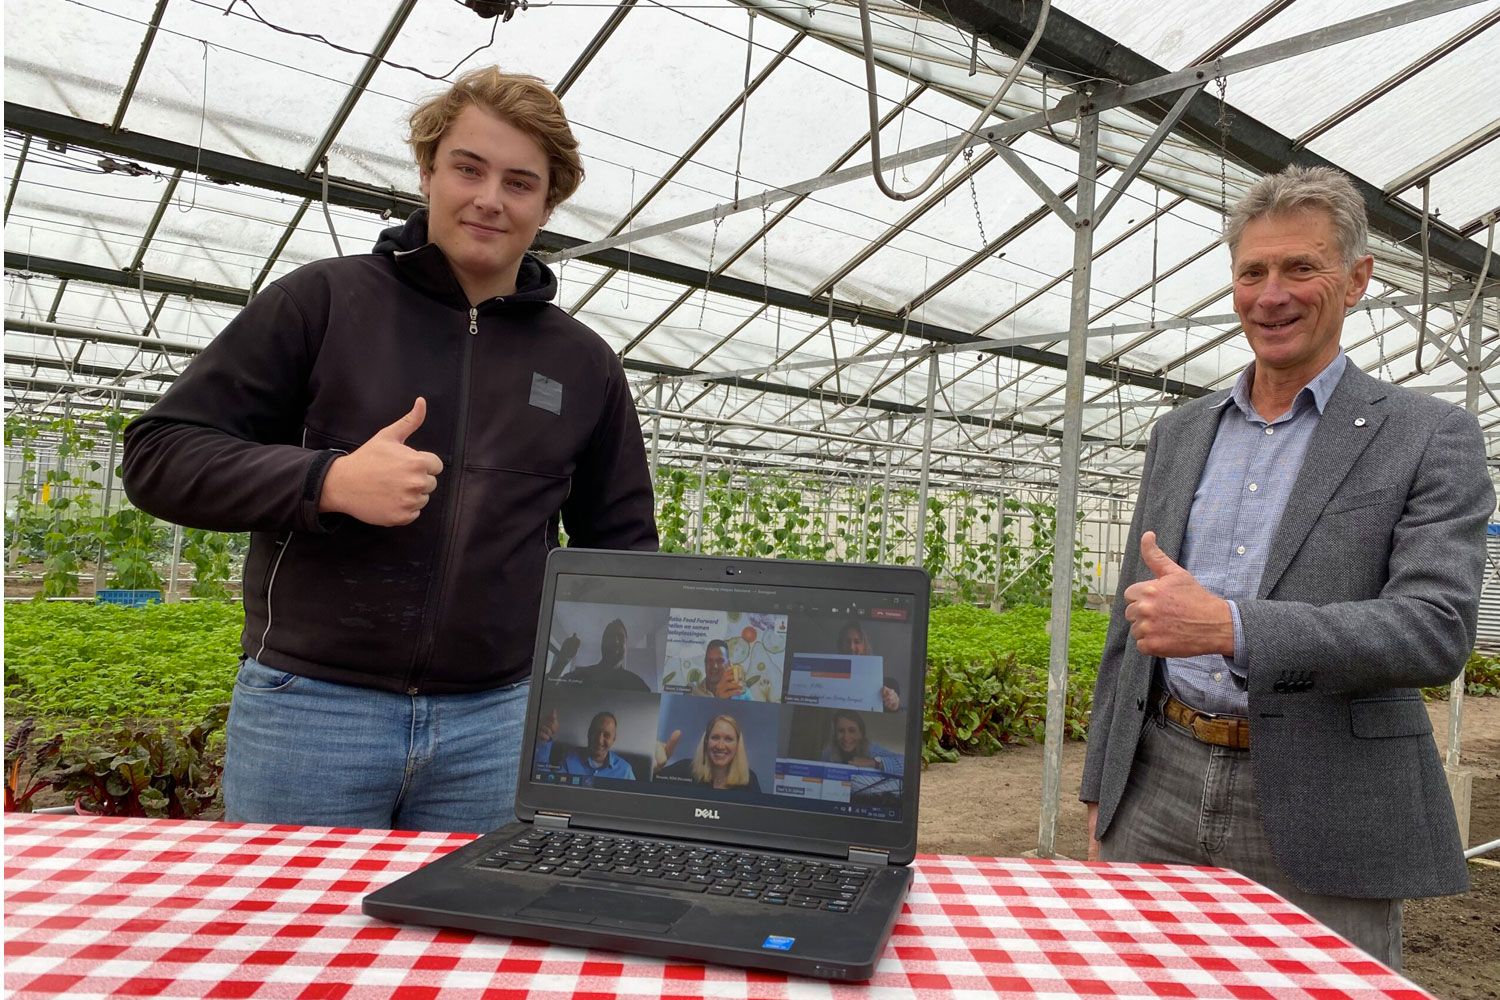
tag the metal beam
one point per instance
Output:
(592, 48)
(117, 278)
(211, 164)
(64, 332)
(140, 64)
(1257, 21)
(1067, 492)
(1073, 49)
(357, 88)
(15, 180)
(936, 198)
(237, 169)
(1396, 79)
(1158, 136)
(276, 251)
(707, 134)
(66, 385)
(1479, 138)
(161, 210)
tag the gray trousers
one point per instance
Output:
(1190, 803)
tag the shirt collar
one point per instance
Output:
(1320, 389)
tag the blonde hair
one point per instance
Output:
(739, 768)
(523, 101)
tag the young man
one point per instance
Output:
(1306, 553)
(403, 432)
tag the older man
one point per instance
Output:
(1306, 552)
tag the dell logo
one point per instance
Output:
(705, 814)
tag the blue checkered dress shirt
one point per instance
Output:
(1236, 510)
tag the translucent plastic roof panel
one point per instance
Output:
(357, 233)
(101, 46)
(220, 235)
(246, 87)
(438, 39)
(67, 208)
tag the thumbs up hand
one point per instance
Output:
(664, 751)
(383, 481)
(1171, 614)
(547, 728)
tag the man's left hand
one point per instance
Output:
(1173, 615)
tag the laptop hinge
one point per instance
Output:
(866, 856)
(552, 821)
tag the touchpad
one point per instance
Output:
(603, 908)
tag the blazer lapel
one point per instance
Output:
(1347, 426)
(1189, 454)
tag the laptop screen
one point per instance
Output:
(754, 694)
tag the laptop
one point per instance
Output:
(720, 763)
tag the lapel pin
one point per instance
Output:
(1359, 421)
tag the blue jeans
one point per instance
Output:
(314, 753)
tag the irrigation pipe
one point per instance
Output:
(1475, 852)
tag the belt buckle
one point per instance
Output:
(1207, 720)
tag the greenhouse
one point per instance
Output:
(891, 282)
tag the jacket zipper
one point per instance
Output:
(439, 585)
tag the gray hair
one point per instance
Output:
(1298, 189)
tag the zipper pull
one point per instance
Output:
(473, 321)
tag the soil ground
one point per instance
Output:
(991, 805)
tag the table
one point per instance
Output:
(143, 907)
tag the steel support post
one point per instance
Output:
(1067, 486)
(109, 495)
(999, 550)
(885, 486)
(1471, 400)
(656, 432)
(702, 492)
(176, 559)
(13, 557)
(932, 381)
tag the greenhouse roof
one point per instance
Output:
(165, 160)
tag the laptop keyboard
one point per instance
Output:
(772, 880)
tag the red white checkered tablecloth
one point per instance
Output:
(139, 907)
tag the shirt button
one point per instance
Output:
(1240, 550)
(1253, 487)
(1218, 675)
(1270, 430)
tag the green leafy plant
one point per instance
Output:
(987, 677)
(77, 666)
(148, 770)
(1481, 679)
(19, 752)
(131, 538)
(208, 551)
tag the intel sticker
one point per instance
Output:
(779, 943)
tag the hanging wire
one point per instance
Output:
(202, 120)
(911, 58)
(744, 106)
(312, 36)
(871, 93)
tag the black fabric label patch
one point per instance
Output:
(546, 394)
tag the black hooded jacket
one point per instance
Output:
(528, 409)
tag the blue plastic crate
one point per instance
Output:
(129, 598)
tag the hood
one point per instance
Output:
(424, 265)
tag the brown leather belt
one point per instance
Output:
(1232, 731)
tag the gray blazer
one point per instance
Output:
(1371, 590)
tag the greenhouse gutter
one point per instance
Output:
(225, 168)
(1072, 48)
